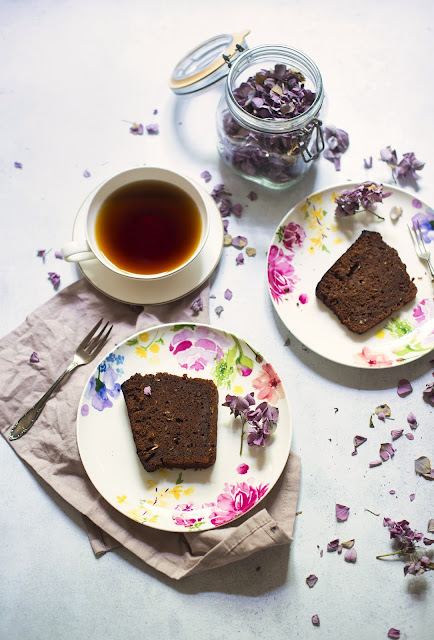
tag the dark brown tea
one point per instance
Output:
(148, 227)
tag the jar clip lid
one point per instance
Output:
(207, 63)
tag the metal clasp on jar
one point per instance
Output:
(304, 136)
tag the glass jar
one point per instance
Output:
(278, 149)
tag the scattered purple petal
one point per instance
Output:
(416, 203)
(242, 468)
(412, 497)
(155, 111)
(152, 129)
(409, 436)
(205, 175)
(34, 357)
(147, 391)
(42, 253)
(58, 255)
(364, 197)
(219, 191)
(315, 620)
(408, 167)
(411, 419)
(303, 298)
(228, 294)
(396, 433)
(333, 545)
(358, 440)
(392, 492)
(393, 633)
(55, 278)
(388, 155)
(239, 242)
(136, 129)
(86, 174)
(197, 306)
(252, 196)
(376, 463)
(342, 512)
(236, 209)
(350, 555)
(311, 580)
(428, 393)
(367, 162)
(239, 259)
(225, 207)
(404, 388)
(85, 410)
(338, 142)
(219, 310)
(18, 165)
(386, 451)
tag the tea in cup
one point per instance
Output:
(144, 223)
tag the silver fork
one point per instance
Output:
(85, 352)
(420, 246)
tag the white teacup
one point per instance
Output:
(149, 255)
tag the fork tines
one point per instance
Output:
(100, 339)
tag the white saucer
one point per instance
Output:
(158, 291)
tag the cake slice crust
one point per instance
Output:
(366, 284)
(175, 426)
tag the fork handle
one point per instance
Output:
(431, 269)
(27, 421)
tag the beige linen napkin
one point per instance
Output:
(50, 447)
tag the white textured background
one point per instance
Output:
(73, 76)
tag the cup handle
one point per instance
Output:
(77, 252)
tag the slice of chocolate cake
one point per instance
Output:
(366, 284)
(173, 420)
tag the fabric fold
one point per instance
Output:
(50, 447)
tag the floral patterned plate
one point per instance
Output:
(182, 500)
(309, 239)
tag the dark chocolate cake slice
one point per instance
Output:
(366, 284)
(173, 420)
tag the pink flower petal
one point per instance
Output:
(409, 436)
(411, 419)
(228, 294)
(412, 497)
(404, 387)
(396, 433)
(350, 555)
(303, 298)
(376, 463)
(315, 620)
(342, 512)
(394, 633)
